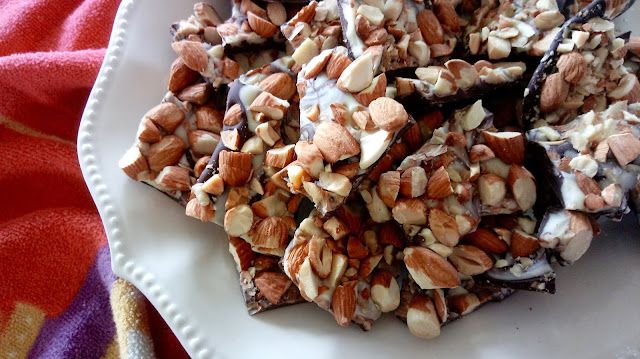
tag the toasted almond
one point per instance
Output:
(430, 270)
(166, 115)
(612, 195)
(430, 27)
(628, 89)
(241, 252)
(465, 74)
(586, 184)
(548, 20)
(166, 152)
(422, 319)
(446, 14)
(181, 76)
(492, 189)
(498, 48)
(413, 182)
(207, 14)
(465, 303)
(470, 260)
(340, 112)
(486, 240)
(480, 153)
(248, 5)
(363, 120)
(472, 116)
(227, 29)
(377, 89)
(267, 134)
(235, 167)
(583, 231)
(508, 146)
(208, 119)
(385, 291)
(523, 186)
(439, 185)
(133, 164)
(523, 244)
(270, 105)
(272, 285)
(306, 14)
(310, 158)
(344, 303)
(198, 94)
(203, 142)
(336, 65)
(444, 227)
(593, 202)
(410, 211)
(231, 139)
(148, 132)
(214, 185)
(238, 220)
(572, 67)
(193, 54)
(279, 157)
(271, 232)
(358, 75)
(314, 67)
(355, 249)
(335, 142)
(389, 187)
(369, 264)
(601, 152)
(280, 85)
(294, 258)
(554, 93)
(205, 213)
(625, 147)
(388, 114)
(230, 68)
(336, 228)
(233, 116)
(308, 281)
(277, 13)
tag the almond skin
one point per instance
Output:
(336, 65)
(470, 260)
(166, 152)
(241, 251)
(279, 85)
(166, 115)
(260, 26)
(272, 285)
(507, 146)
(554, 92)
(271, 232)
(429, 269)
(344, 303)
(523, 244)
(193, 54)
(446, 14)
(430, 27)
(181, 76)
(388, 114)
(486, 240)
(335, 142)
(235, 167)
(572, 67)
(439, 185)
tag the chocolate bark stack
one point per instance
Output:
(399, 156)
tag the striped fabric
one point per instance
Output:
(58, 295)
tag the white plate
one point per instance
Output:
(184, 268)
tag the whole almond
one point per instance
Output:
(554, 93)
(388, 114)
(166, 152)
(193, 54)
(344, 303)
(235, 167)
(470, 260)
(209, 119)
(260, 26)
(271, 232)
(280, 85)
(148, 132)
(335, 142)
(572, 67)
(430, 27)
(486, 240)
(166, 115)
(446, 14)
(272, 285)
(181, 76)
(430, 270)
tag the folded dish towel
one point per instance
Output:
(58, 296)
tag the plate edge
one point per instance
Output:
(123, 266)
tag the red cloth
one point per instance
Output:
(50, 231)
